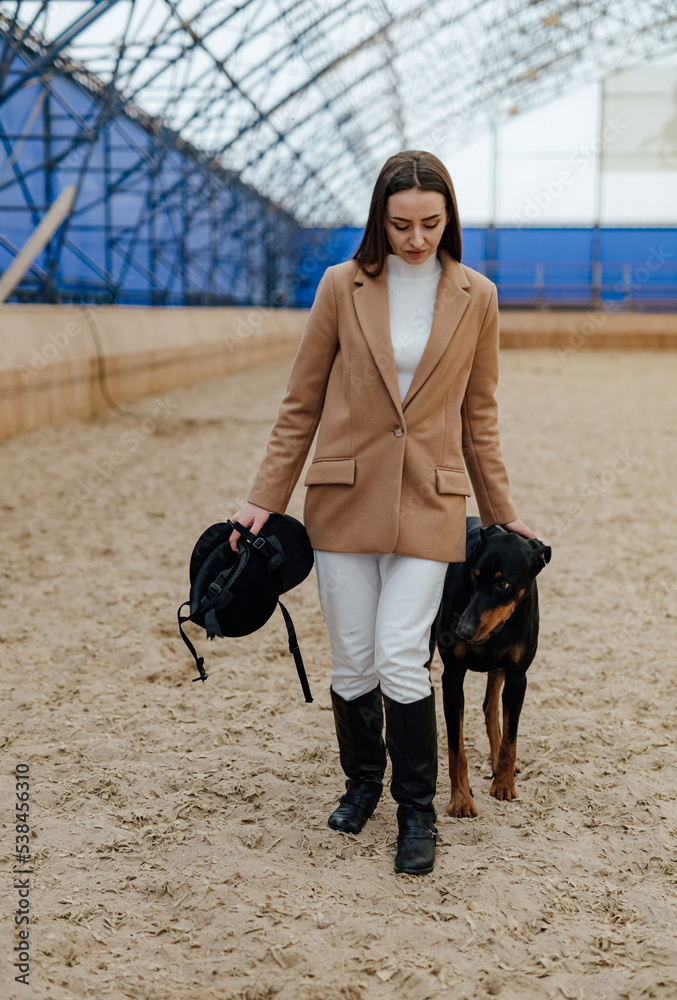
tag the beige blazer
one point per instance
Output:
(390, 476)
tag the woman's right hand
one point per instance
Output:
(250, 516)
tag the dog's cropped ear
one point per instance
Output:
(472, 547)
(543, 553)
(493, 529)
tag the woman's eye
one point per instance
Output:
(401, 229)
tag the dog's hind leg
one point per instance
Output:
(491, 701)
(461, 801)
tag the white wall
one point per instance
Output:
(548, 159)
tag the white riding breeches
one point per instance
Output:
(379, 609)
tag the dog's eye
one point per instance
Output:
(503, 585)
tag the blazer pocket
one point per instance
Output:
(452, 481)
(330, 470)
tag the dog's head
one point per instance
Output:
(502, 569)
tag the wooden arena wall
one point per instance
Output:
(60, 363)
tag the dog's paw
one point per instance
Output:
(461, 806)
(503, 789)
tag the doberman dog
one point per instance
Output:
(488, 622)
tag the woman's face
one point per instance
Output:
(414, 223)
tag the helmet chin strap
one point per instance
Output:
(199, 660)
(269, 546)
(296, 652)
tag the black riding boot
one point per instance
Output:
(411, 738)
(359, 728)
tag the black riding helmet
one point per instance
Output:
(235, 593)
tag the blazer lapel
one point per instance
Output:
(373, 312)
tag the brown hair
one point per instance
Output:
(412, 168)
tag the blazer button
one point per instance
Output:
(397, 431)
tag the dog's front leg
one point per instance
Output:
(461, 802)
(503, 785)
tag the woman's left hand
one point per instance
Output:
(521, 529)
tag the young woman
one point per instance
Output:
(396, 371)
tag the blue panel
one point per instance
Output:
(317, 249)
(542, 267)
(169, 230)
(149, 224)
(474, 243)
(74, 271)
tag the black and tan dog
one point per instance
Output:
(488, 622)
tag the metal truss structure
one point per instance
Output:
(202, 135)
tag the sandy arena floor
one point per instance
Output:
(179, 830)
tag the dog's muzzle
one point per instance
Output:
(480, 642)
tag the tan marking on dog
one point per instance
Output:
(516, 653)
(476, 572)
(460, 648)
(491, 619)
(521, 593)
(503, 785)
(497, 574)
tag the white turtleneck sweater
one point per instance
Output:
(412, 289)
